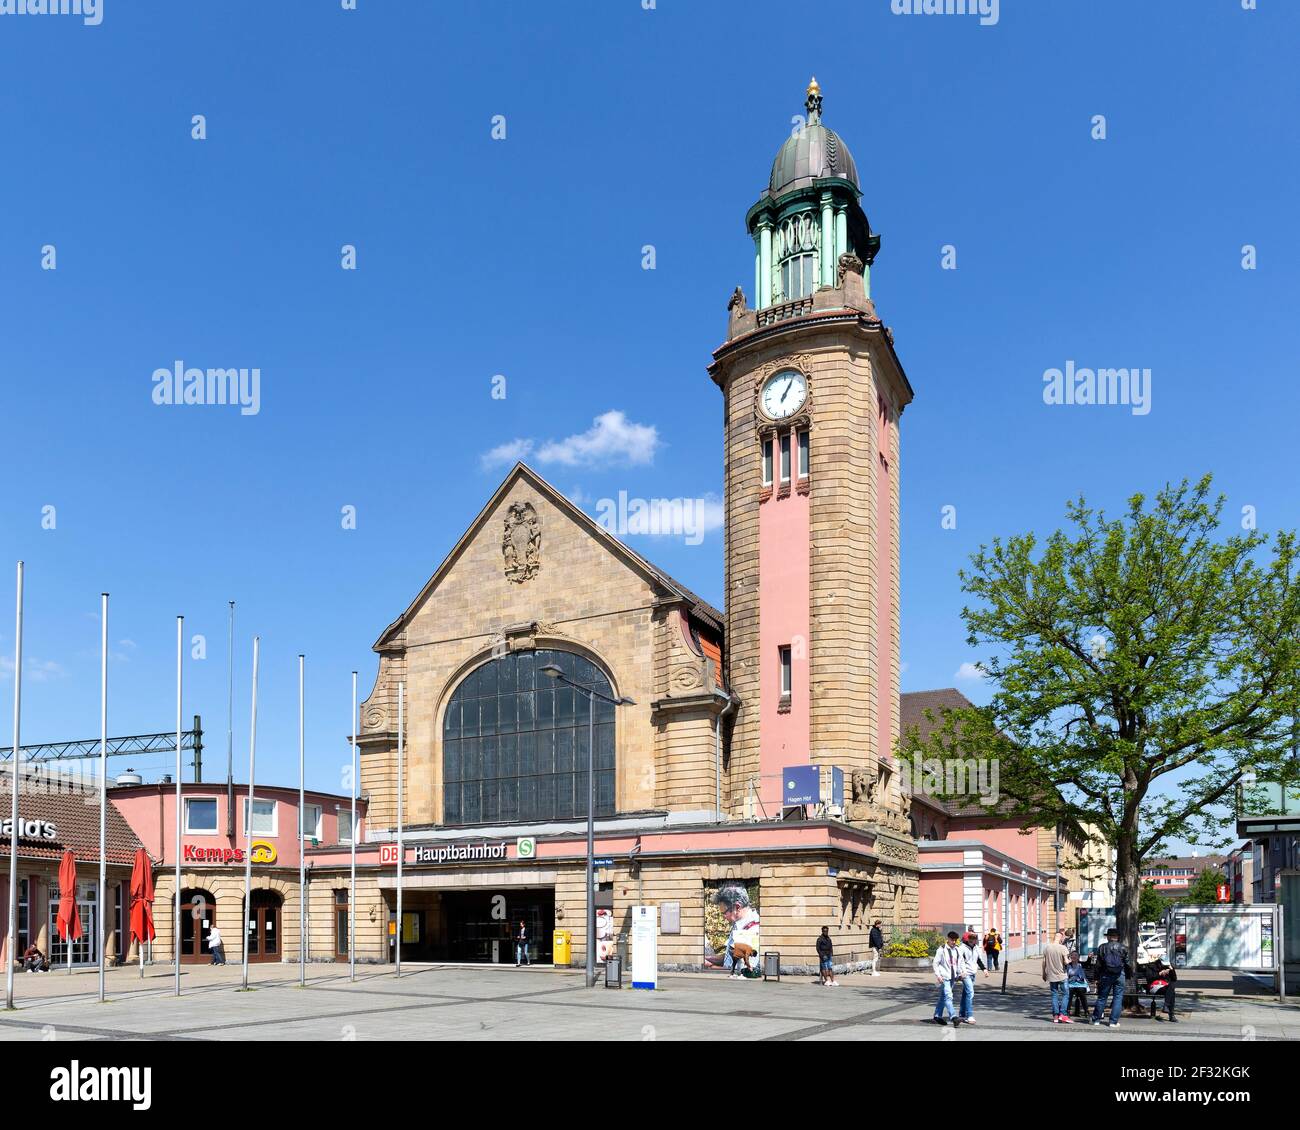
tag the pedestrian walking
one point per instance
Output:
(521, 944)
(1076, 982)
(970, 950)
(1113, 970)
(993, 948)
(215, 946)
(826, 958)
(876, 941)
(949, 968)
(1055, 958)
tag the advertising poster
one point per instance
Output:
(732, 928)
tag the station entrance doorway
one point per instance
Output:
(477, 926)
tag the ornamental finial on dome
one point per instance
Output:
(813, 104)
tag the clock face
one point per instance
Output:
(784, 394)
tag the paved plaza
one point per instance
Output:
(503, 1003)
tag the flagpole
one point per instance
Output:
(352, 883)
(103, 782)
(302, 861)
(13, 798)
(248, 816)
(180, 816)
(230, 722)
(401, 849)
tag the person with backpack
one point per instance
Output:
(1113, 970)
(993, 948)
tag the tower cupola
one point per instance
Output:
(809, 215)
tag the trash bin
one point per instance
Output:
(613, 972)
(562, 952)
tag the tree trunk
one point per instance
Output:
(1128, 894)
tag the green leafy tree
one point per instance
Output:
(1205, 887)
(1152, 904)
(1139, 667)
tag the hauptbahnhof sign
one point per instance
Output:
(460, 853)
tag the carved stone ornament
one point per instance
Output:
(521, 542)
(687, 678)
(375, 718)
(737, 303)
(847, 262)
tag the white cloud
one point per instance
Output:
(612, 438)
(971, 672)
(506, 454)
(35, 670)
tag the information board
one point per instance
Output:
(645, 947)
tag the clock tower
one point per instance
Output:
(813, 393)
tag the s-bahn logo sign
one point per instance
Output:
(460, 853)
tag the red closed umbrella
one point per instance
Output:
(142, 902)
(69, 920)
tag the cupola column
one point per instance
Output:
(841, 233)
(763, 299)
(828, 240)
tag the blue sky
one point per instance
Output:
(523, 257)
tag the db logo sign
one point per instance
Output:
(526, 847)
(387, 854)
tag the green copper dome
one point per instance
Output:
(813, 153)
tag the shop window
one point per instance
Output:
(201, 815)
(515, 742)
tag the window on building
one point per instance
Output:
(345, 824)
(201, 815)
(311, 821)
(786, 680)
(341, 909)
(798, 276)
(515, 742)
(803, 454)
(785, 457)
(767, 461)
(24, 930)
(264, 817)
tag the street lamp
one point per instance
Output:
(553, 672)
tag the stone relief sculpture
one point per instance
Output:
(521, 543)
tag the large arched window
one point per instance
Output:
(514, 742)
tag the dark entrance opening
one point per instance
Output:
(198, 911)
(263, 926)
(479, 926)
